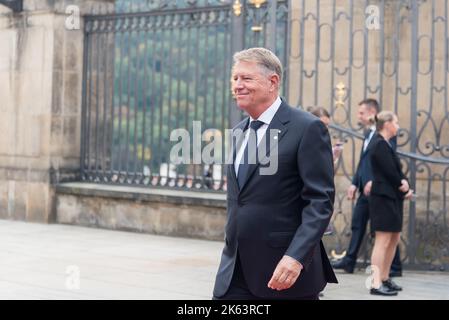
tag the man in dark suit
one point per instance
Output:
(273, 247)
(362, 182)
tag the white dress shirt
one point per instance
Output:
(266, 118)
(367, 141)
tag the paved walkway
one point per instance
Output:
(66, 262)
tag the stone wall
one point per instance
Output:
(40, 107)
(156, 211)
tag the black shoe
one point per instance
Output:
(383, 291)
(395, 273)
(390, 284)
(342, 264)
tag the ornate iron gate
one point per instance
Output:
(153, 66)
(396, 52)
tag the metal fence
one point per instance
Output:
(396, 52)
(154, 66)
(147, 73)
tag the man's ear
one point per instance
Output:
(274, 79)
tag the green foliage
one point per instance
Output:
(165, 80)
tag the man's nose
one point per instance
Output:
(238, 84)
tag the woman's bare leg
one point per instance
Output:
(394, 241)
(378, 257)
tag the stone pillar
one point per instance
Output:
(40, 107)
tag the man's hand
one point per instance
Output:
(351, 192)
(285, 274)
(404, 186)
(409, 194)
(367, 189)
(336, 151)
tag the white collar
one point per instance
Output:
(268, 114)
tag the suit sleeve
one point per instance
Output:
(385, 162)
(368, 171)
(356, 177)
(315, 166)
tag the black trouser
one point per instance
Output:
(359, 223)
(238, 289)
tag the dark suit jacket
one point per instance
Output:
(387, 172)
(363, 173)
(282, 214)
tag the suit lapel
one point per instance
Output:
(278, 123)
(371, 142)
(369, 146)
(231, 168)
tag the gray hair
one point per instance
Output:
(266, 59)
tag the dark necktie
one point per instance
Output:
(366, 133)
(244, 165)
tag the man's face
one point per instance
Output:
(365, 114)
(252, 88)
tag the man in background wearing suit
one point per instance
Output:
(275, 222)
(362, 182)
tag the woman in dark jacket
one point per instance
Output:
(389, 189)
